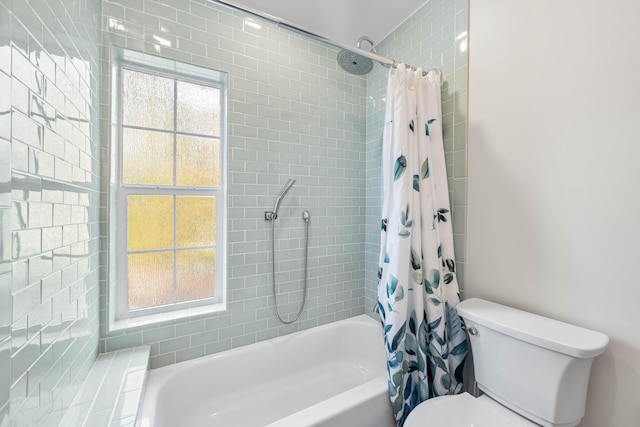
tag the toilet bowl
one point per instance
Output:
(464, 410)
(533, 371)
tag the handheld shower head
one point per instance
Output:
(281, 195)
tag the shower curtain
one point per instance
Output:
(417, 290)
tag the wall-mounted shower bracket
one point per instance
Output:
(270, 216)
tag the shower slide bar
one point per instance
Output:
(284, 24)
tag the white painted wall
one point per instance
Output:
(554, 175)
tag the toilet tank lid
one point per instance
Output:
(541, 331)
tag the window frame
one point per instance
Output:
(119, 315)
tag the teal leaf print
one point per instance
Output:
(396, 359)
(416, 182)
(397, 403)
(445, 380)
(381, 311)
(435, 301)
(397, 339)
(386, 258)
(438, 361)
(451, 265)
(434, 278)
(399, 167)
(415, 261)
(439, 251)
(410, 344)
(435, 323)
(423, 338)
(412, 322)
(383, 227)
(391, 288)
(426, 126)
(379, 273)
(391, 388)
(424, 170)
(404, 233)
(407, 388)
(439, 215)
(448, 278)
(411, 126)
(428, 287)
(404, 218)
(417, 277)
(399, 293)
(460, 348)
(454, 324)
(397, 379)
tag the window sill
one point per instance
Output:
(150, 319)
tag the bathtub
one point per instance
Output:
(330, 376)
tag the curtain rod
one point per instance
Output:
(284, 24)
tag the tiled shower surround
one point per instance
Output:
(49, 205)
(292, 113)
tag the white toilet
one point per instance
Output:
(534, 371)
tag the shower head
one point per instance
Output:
(281, 195)
(354, 63)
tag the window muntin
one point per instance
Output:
(170, 199)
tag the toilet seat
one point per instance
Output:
(464, 410)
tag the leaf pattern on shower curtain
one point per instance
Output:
(418, 289)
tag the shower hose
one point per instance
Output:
(306, 217)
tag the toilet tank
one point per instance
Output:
(536, 366)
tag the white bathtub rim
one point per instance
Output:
(329, 408)
(176, 368)
(160, 377)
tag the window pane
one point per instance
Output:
(150, 222)
(198, 161)
(195, 221)
(147, 157)
(147, 100)
(195, 273)
(150, 279)
(198, 109)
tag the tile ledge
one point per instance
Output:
(113, 390)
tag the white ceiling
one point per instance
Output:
(343, 21)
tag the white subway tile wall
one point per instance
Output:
(292, 113)
(435, 36)
(49, 205)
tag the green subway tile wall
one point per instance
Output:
(292, 113)
(49, 205)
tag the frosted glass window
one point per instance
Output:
(196, 221)
(150, 277)
(147, 100)
(198, 161)
(149, 219)
(196, 109)
(170, 190)
(195, 273)
(147, 157)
